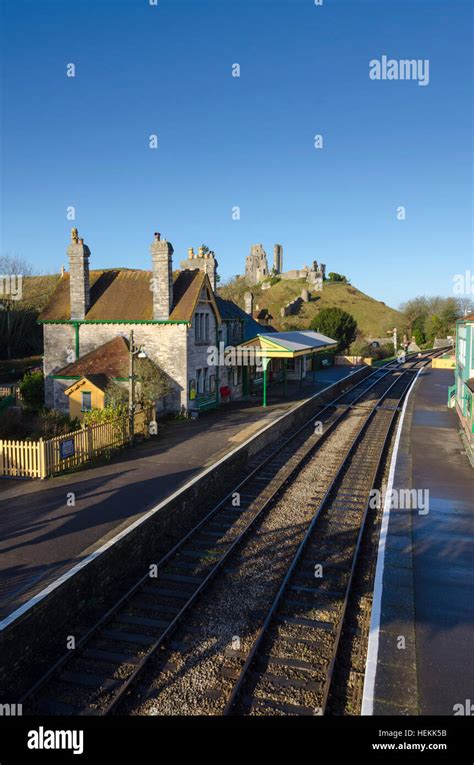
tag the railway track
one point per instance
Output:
(109, 660)
(290, 667)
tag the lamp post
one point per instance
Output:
(393, 332)
(133, 351)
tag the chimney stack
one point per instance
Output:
(248, 297)
(203, 261)
(79, 284)
(162, 284)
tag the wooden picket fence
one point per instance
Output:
(7, 390)
(41, 459)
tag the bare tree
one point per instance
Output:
(14, 318)
(14, 265)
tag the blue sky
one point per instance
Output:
(247, 141)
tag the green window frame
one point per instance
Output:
(83, 407)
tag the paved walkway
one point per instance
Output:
(41, 536)
(427, 601)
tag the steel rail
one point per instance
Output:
(273, 610)
(109, 615)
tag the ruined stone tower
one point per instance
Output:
(278, 258)
(256, 264)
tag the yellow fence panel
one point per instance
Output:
(40, 459)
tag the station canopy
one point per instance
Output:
(289, 345)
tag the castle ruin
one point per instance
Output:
(256, 264)
(256, 267)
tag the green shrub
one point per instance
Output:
(32, 390)
(273, 279)
(334, 277)
(107, 414)
(53, 423)
(336, 324)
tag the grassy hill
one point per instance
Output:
(37, 290)
(373, 317)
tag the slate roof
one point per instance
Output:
(229, 310)
(299, 341)
(125, 295)
(109, 360)
(100, 381)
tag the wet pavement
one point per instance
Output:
(424, 663)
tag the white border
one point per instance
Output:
(373, 646)
(92, 556)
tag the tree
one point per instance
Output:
(430, 317)
(15, 265)
(15, 318)
(32, 390)
(336, 324)
(151, 384)
(334, 277)
(416, 312)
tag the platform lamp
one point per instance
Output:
(133, 350)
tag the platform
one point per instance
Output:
(42, 537)
(422, 629)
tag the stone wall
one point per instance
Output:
(59, 350)
(164, 344)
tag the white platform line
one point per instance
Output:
(92, 556)
(373, 646)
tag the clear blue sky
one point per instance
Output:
(245, 141)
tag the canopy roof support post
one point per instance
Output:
(265, 363)
(285, 386)
(313, 359)
(301, 370)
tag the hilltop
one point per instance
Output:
(373, 317)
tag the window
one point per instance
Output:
(290, 365)
(204, 379)
(199, 380)
(236, 375)
(202, 327)
(461, 346)
(86, 401)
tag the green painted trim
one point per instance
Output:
(76, 325)
(65, 377)
(112, 321)
(85, 411)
